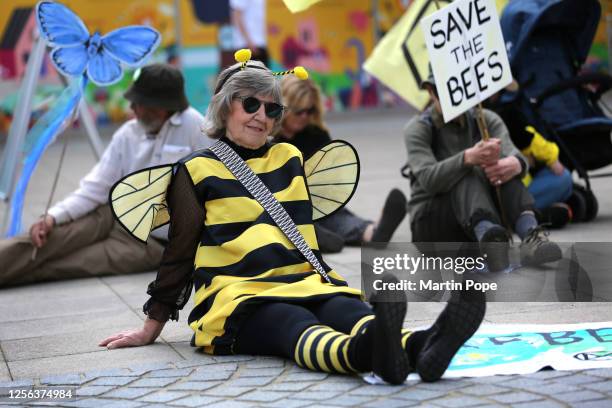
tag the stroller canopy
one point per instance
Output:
(578, 19)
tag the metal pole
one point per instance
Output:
(12, 157)
(92, 131)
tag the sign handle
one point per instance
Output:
(484, 133)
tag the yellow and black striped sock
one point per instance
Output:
(405, 334)
(322, 348)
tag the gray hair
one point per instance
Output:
(247, 82)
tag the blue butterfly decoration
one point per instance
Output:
(75, 52)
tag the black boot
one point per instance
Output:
(389, 360)
(393, 213)
(494, 246)
(329, 242)
(432, 350)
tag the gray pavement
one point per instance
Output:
(49, 332)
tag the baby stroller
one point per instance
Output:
(547, 43)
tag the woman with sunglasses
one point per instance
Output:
(254, 292)
(303, 127)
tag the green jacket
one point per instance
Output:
(435, 151)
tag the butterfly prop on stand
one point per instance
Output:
(85, 57)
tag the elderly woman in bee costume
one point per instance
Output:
(241, 234)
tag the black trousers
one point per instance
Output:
(451, 217)
(274, 328)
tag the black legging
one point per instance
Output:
(274, 328)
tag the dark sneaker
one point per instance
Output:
(555, 216)
(456, 324)
(389, 360)
(494, 246)
(536, 249)
(393, 213)
(329, 242)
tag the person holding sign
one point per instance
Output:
(453, 174)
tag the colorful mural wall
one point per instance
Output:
(331, 39)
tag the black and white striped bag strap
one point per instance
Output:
(264, 197)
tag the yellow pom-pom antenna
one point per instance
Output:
(243, 56)
(299, 72)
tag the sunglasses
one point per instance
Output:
(251, 104)
(309, 111)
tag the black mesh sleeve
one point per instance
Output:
(171, 289)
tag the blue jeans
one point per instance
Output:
(548, 188)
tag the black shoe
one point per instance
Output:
(456, 324)
(393, 213)
(389, 360)
(555, 216)
(329, 241)
(536, 249)
(494, 246)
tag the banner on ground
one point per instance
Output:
(467, 53)
(507, 349)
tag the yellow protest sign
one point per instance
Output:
(295, 6)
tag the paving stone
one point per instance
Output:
(228, 391)
(16, 383)
(578, 379)
(336, 386)
(66, 379)
(484, 389)
(229, 404)
(210, 375)
(459, 401)
(551, 388)
(287, 403)
(112, 372)
(123, 404)
(250, 381)
(171, 372)
(605, 386)
(153, 382)
(112, 381)
(91, 403)
(593, 404)
(200, 361)
(446, 385)
(308, 376)
(261, 396)
(265, 363)
(129, 393)
(287, 386)
(315, 395)
(140, 369)
(515, 397)
(196, 401)
(419, 394)
(525, 382)
(92, 390)
(163, 396)
(579, 396)
(194, 385)
(265, 372)
(349, 401)
(600, 372)
(376, 390)
(390, 403)
(539, 404)
(234, 359)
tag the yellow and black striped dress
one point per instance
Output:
(243, 258)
